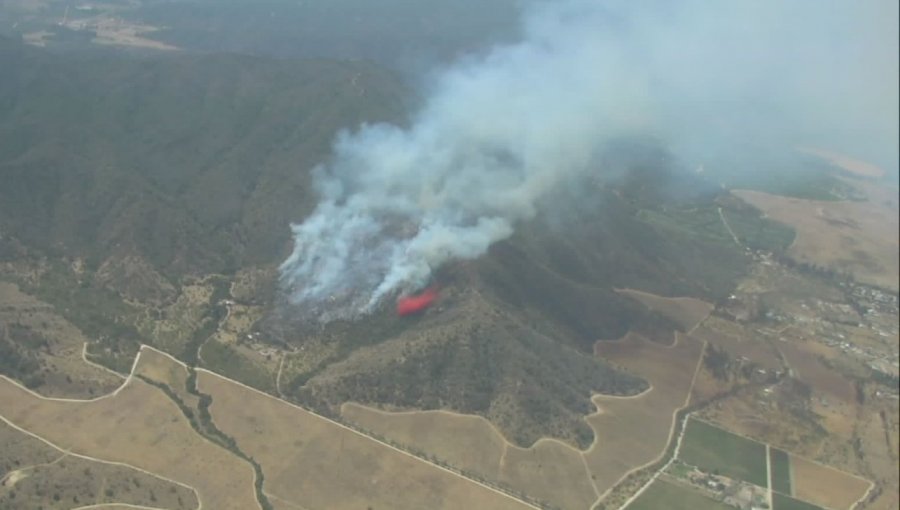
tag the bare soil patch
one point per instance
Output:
(825, 486)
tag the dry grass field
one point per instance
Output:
(162, 368)
(825, 486)
(314, 463)
(738, 341)
(878, 433)
(549, 470)
(67, 374)
(686, 311)
(464, 441)
(855, 237)
(749, 414)
(825, 382)
(34, 474)
(631, 432)
(138, 426)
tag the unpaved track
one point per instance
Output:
(67, 453)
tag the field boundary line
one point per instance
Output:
(78, 400)
(790, 454)
(507, 442)
(126, 505)
(590, 476)
(33, 467)
(728, 227)
(361, 434)
(102, 461)
(687, 399)
(864, 497)
(202, 437)
(286, 502)
(661, 470)
(769, 474)
(278, 377)
(341, 425)
(84, 357)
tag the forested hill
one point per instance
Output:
(197, 163)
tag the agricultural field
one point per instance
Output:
(140, 426)
(853, 237)
(313, 462)
(715, 450)
(825, 486)
(672, 496)
(685, 311)
(549, 470)
(782, 502)
(633, 431)
(781, 471)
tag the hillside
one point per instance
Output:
(148, 200)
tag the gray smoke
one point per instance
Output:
(500, 130)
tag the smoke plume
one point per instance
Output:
(501, 129)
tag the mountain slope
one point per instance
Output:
(149, 201)
(197, 163)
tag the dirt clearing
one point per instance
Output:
(825, 486)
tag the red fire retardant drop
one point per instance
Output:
(413, 304)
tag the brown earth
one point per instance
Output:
(139, 426)
(634, 431)
(549, 470)
(854, 237)
(825, 486)
(315, 463)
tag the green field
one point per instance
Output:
(781, 471)
(782, 502)
(674, 497)
(718, 451)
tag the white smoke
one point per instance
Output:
(498, 131)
